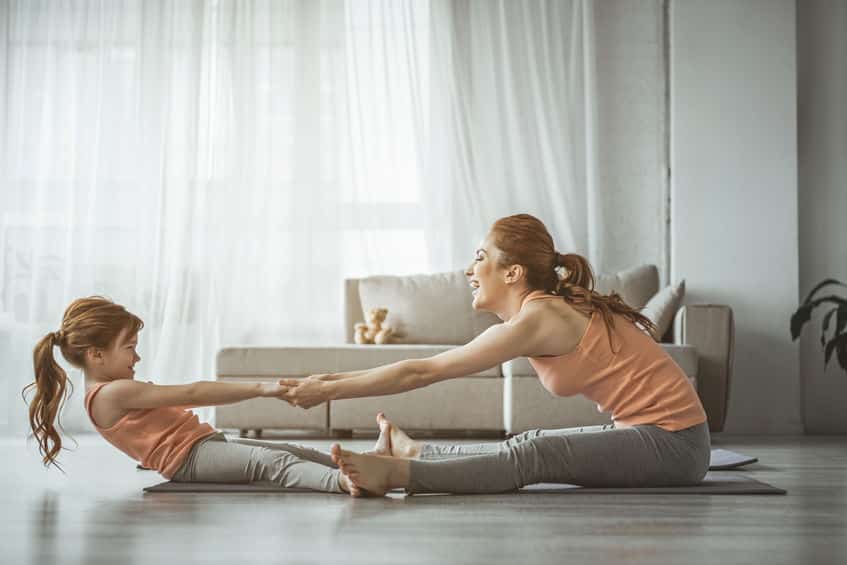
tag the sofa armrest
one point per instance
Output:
(711, 329)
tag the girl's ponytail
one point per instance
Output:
(50, 384)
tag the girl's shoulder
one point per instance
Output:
(102, 410)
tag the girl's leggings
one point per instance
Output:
(223, 460)
(602, 456)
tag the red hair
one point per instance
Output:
(523, 239)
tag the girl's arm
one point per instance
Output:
(129, 394)
(497, 344)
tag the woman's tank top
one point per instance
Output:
(637, 381)
(158, 438)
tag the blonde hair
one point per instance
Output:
(523, 239)
(89, 322)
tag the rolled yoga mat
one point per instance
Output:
(713, 483)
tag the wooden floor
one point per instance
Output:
(98, 514)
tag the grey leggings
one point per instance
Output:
(219, 459)
(643, 455)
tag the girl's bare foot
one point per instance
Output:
(400, 445)
(375, 474)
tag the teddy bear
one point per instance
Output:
(374, 331)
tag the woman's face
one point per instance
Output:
(485, 277)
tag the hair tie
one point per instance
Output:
(57, 336)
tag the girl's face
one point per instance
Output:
(485, 277)
(118, 362)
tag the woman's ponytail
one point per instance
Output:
(50, 385)
(577, 287)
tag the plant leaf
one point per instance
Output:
(839, 341)
(804, 313)
(841, 319)
(825, 324)
(799, 318)
(821, 285)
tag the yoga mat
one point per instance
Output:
(721, 459)
(725, 459)
(713, 483)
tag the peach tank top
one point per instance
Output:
(158, 438)
(637, 381)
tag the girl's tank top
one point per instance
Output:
(158, 438)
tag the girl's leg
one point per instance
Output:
(234, 462)
(301, 451)
(431, 451)
(626, 457)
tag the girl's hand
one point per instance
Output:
(307, 392)
(276, 390)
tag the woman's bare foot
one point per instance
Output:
(376, 474)
(399, 444)
(347, 485)
(383, 442)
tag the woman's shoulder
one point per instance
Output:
(560, 326)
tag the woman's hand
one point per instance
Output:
(307, 392)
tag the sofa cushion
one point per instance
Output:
(662, 308)
(428, 309)
(635, 285)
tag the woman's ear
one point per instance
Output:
(514, 274)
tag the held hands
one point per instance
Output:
(308, 392)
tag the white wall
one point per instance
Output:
(631, 134)
(734, 234)
(822, 122)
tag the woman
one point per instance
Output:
(578, 341)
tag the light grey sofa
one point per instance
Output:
(433, 313)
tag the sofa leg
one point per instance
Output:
(341, 434)
(242, 433)
(258, 432)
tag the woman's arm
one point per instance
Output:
(133, 395)
(497, 344)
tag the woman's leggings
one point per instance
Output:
(223, 460)
(599, 456)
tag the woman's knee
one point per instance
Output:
(522, 437)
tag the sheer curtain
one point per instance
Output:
(216, 166)
(219, 166)
(518, 108)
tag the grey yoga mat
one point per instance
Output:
(713, 483)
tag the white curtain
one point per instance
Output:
(216, 166)
(518, 97)
(219, 166)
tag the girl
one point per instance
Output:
(150, 422)
(659, 435)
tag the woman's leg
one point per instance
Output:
(224, 461)
(401, 445)
(632, 457)
(431, 451)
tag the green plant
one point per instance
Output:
(838, 341)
